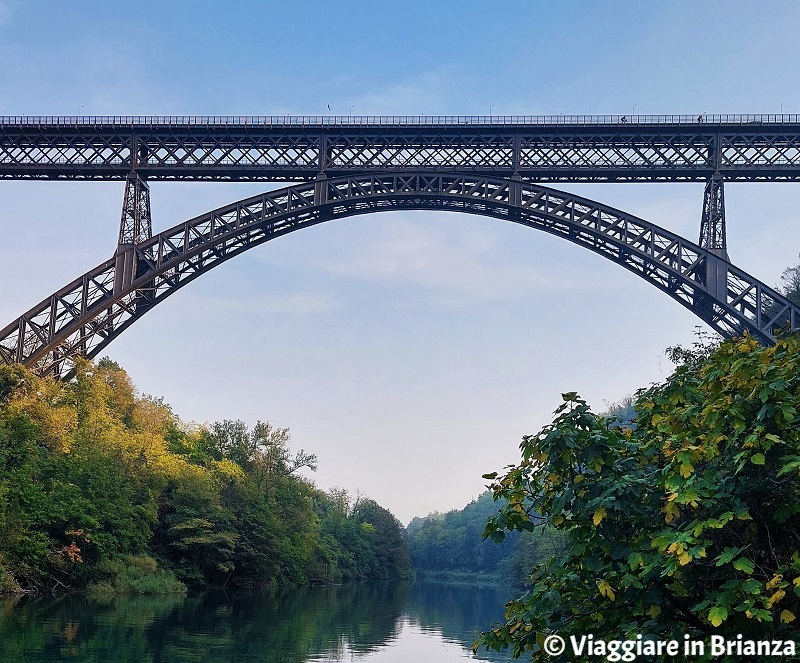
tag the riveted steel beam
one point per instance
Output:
(568, 149)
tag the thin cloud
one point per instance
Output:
(291, 304)
(449, 260)
(451, 268)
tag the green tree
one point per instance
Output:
(450, 543)
(687, 522)
(386, 536)
(99, 485)
(790, 284)
(262, 452)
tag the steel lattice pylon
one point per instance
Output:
(136, 226)
(86, 315)
(712, 225)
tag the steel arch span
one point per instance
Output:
(86, 315)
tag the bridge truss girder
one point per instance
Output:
(86, 315)
(249, 150)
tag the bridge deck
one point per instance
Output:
(298, 148)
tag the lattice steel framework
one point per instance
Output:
(86, 315)
(712, 225)
(570, 149)
(136, 225)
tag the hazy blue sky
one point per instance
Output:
(409, 351)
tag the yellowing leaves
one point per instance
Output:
(606, 590)
(776, 580)
(671, 511)
(654, 611)
(717, 615)
(227, 470)
(787, 616)
(50, 406)
(777, 596)
(680, 552)
(599, 515)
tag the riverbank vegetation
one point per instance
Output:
(104, 489)
(684, 521)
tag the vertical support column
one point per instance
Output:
(712, 225)
(320, 189)
(713, 237)
(515, 191)
(712, 230)
(320, 185)
(324, 157)
(135, 227)
(515, 183)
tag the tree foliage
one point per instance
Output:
(686, 522)
(360, 541)
(450, 545)
(101, 486)
(790, 284)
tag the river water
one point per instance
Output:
(386, 623)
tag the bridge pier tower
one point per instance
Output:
(712, 225)
(135, 227)
(713, 237)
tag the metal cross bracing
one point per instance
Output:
(563, 149)
(136, 225)
(85, 316)
(712, 224)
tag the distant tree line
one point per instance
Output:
(450, 546)
(102, 488)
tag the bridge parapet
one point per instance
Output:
(393, 120)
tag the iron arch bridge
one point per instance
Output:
(85, 316)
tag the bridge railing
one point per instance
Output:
(388, 120)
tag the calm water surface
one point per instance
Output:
(387, 623)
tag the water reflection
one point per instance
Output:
(384, 623)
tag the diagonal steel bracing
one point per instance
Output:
(557, 148)
(136, 225)
(713, 235)
(86, 315)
